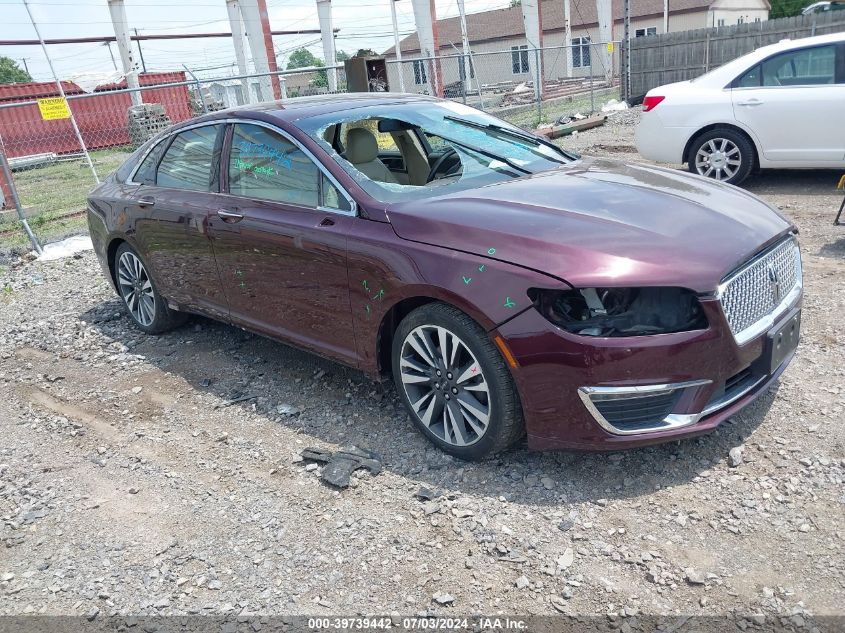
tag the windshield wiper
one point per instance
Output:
(524, 136)
(484, 152)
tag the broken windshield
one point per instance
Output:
(408, 151)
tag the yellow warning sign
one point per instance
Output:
(53, 108)
(610, 47)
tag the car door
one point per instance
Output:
(178, 187)
(279, 236)
(793, 102)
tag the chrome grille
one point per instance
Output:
(759, 290)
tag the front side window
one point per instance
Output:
(581, 52)
(265, 165)
(188, 162)
(806, 67)
(420, 77)
(519, 59)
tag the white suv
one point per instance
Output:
(782, 106)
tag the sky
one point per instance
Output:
(362, 24)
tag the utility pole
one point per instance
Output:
(324, 14)
(533, 23)
(62, 93)
(257, 26)
(425, 17)
(140, 52)
(665, 16)
(124, 47)
(567, 36)
(605, 17)
(467, 59)
(397, 45)
(626, 62)
(237, 25)
(25, 67)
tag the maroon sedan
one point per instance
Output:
(508, 286)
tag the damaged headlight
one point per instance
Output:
(620, 311)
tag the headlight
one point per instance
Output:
(620, 311)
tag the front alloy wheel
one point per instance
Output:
(454, 382)
(445, 385)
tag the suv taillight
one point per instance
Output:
(650, 103)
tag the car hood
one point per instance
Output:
(599, 222)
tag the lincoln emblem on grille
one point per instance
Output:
(774, 280)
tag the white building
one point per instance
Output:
(500, 49)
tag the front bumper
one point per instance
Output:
(567, 382)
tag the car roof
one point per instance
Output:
(719, 76)
(303, 107)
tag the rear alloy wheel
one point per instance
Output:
(137, 289)
(454, 383)
(722, 155)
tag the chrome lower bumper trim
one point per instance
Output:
(590, 395)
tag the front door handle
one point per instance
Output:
(752, 102)
(229, 216)
(146, 201)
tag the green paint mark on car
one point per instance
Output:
(509, 303)
(481, 268)
(467, 280)
(491, 251)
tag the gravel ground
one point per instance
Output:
(130, 484)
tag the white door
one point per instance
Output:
(794, 107)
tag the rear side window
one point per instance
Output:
(267, 166)
(188, 162)
(146, 174)
(805, 67)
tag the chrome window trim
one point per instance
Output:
(670, 422)
(353, 206)
(767, 321)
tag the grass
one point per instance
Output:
(51, 192)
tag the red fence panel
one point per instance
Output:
(101, 115)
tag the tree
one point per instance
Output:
(303, 58)
(365, 52)
(11, 73)
(515, 3)
(342, 56)
(788, 8)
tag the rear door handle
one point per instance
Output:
(753, 102)
(229, 216)
(146, 201)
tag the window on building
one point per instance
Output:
(757, 20)
(519, 59)
(740, 20)
(267, 166)
(420, 77)
(720, 22)
(581, 52)
(649, 30)
(187, 164)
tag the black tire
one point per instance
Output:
(733, 141)
(505, 420)
(153, 319)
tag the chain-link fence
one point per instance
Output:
(49, 177)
